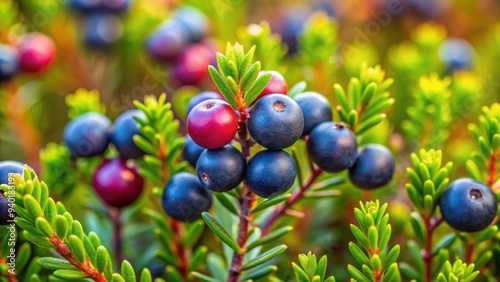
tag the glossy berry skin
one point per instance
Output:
(277, 84)
(203, 96)
(276, 121)
(36, 52)
(222, 169)
(87, 135)
(212, 124)
(332, 146)
(374, 167)
(456, 54)
(7, 167)
(315, 108)
(9, 63)
(185, 198)
(116, 184)
(168, 41)
(122, 135)
(270, 173)
(5, 215)
(195, 22)
(102, 30)
(468, 205)
(192, 65)
(191, 151)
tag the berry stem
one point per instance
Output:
(430, 225)
(117, 233)
(296, 196)
(62, 249)
(469, 251)
(493, 169)
(181, 252)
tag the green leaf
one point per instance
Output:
(358, 254)
(61, 226)
(193, 233)
(204, 277)
(257, 274)
(173, 274)
(55, 264)
(392, 275)
(270, 237)
(76, 245)
(221, 84)
(32, 206)
(220, 231)
(256, 88)
(197, 257)
(356, 274)
(271, 202)
(391, 257)
(266, 256)
(44, 226)
(415, 255)
(297, 89)
(69, 274)
(145, 276)
(445, 242)
(321, 268)
(39, 241)
(409, 272)
(117, 278)
(226, 202)
(486, 234)
(483, 258)
(300, 275)
(101, 259)
(128, 272)
(250, 77)
(418, 226)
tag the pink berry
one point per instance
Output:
(117, 184)
(36, 52)
(212, 124)
(277, 84)
(192, 66)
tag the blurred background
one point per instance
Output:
(453, 44)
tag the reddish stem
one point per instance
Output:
(181, 252)
(62, 249)
(492, 169)
(115, 215)
(296, 196)
(469, 251)
(430, 225)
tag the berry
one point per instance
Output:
(5, 215)
(277, 84)
(468, 205)
(185, 198)
(167, 41)
(191, 151)
(456, 54)
(270, 173)
(84, 6)
(374, 167)
(315, 108)
(332, 146)
(9, 63)
(102, 30)
(115, 6)
(192, 66)
(91, 6)
(122, 135)
(87, 135)
(276, 121)
(195, 22)
(212, 124)
(222, 169)
(203, 96)
(116, 184)
(7, 167)
(36, 52)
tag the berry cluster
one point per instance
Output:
(102, 25)
(34, 53)
(88, 135)
(181, 42)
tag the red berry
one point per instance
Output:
(117, 184)
(192, 66)
(36, 52)
(212, 124)
(277, 84)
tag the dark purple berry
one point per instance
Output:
(191, 68)
(276, 121)
(167, 41)
(191, 151)
(6, 216)
(468, 205)
(122, 135)
(102, 30)
(9, 63)
(7, 167)
(270, 173)
(87, 135)
(117, 184)
(222, 169)
(332, 146)
(185, 198)
(96, 6)
(203, 96)
(315, 108)
(196, 22)
(374, 167)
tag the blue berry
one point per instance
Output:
(107, 6)
(115, 6)
(185, 198)
(374, 167)
(196, 22)
(9, 62)
(167, 41)
(191, 151)
(222, 169)
(84, 6)
(276, 121)
(122, 135)
(270, 173)
(315, 108)
(332, 146)
(87, 135)
(468, 205)
(203, 96)
(102, 30)
(5, 215)
(456, 54)
(7, 167)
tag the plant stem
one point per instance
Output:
(62, 249)
(179, 248)
(427, 252)
(296, 196)
(493, 169)
(469, 251)
(247, 200)
(117, 233)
